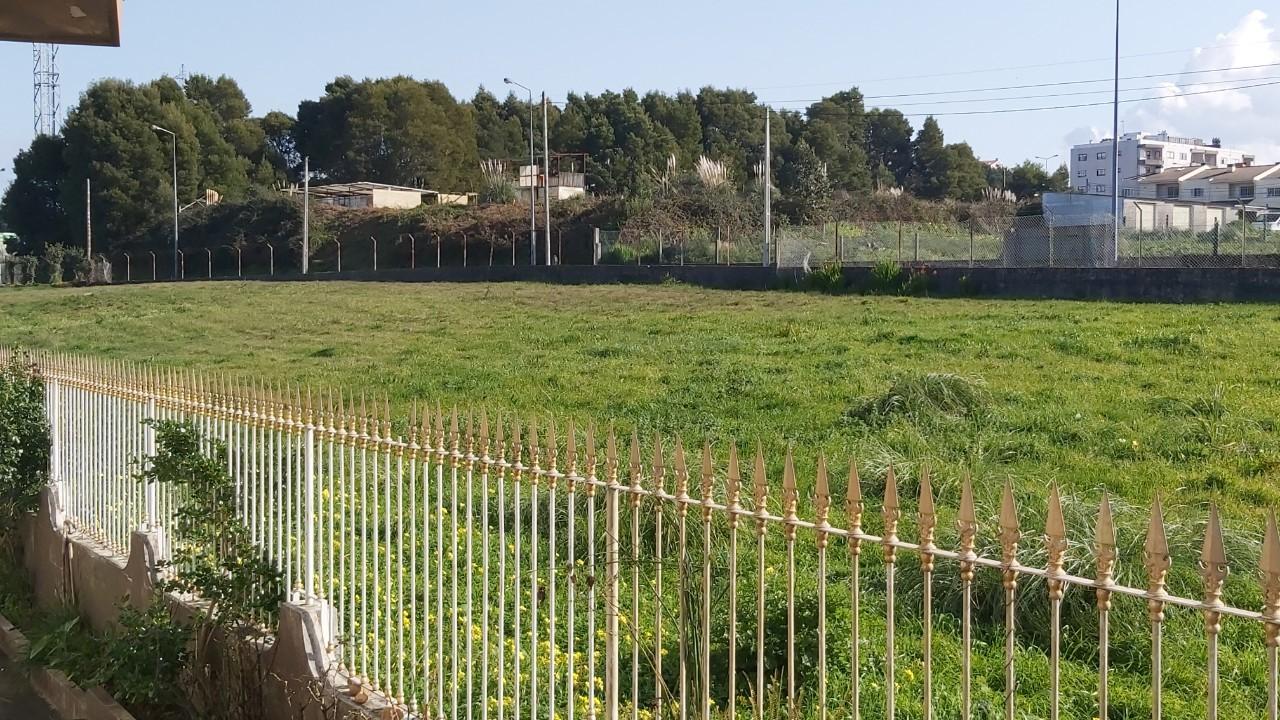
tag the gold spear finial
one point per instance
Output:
(454, 435)
(571, 450)
(1010, 533)
(790, 497)
(928, 520)
(1270, 566)
(593, 459)
(535, 452)
(484, 436)
(891, 512)
(1104, 548)
(733, 486)
(635, 469)
(967, 524)
(611, 457)
(761, 489)
(682, 478)
(1156, 551)
(853, 506)
(1213, 569)
(708, 476)
(1055, 533)
(822, 501)
(657, 464)
(553, 452)
(500, 437)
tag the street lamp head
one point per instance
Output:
(156, 127)
(506, 80)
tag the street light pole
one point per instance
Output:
(1046, 160)
(533, 193)
(546, 165)
(1115, 149)
(173, 137)
(768, 194)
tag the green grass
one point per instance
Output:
(1131, 398)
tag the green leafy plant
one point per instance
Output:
(918, 282)
(885, 279)
(52, 263)
(24, 443)
(146, 658)
(827, 279)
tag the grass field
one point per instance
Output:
(1131, 398)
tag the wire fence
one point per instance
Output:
(481, 566)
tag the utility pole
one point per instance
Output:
(768, 191)
(88, 220)
(546, 160)
(1115, 151)
(306, 214)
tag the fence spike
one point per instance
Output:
(484, 434)
(891, 510)
(1213, 559)
(708, 477)
(1270, 566)
(682, 476)
(657, 465)
(1010, 530)
(635, 470)
(1055, 531)
(593, 457)
(1156, 551)
(928, 516)
(553, 448)
(853, 506)
(571, 449)
(967, 522)
(517, 447)
(759, 486)
(733, 486)
(500, 437)
(453, 430)
(822, 499)
(611, 455)
(790, 496)
(535, 451)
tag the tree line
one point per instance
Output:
(405, 131)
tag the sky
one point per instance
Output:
(284, 51)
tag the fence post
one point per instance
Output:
(1216, 237)
(513, 249)
(437, 249)
(899, 242)
(490, 251)
(374, 240)
(413, 252)
(464, 249)
(1051, 248)
(1244, 238)
(560, 247)
(611, 689)
(971, 239)
(916, 251)
(595, 247)
(55, 434)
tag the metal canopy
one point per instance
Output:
(78, 22)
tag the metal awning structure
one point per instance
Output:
(361, 188)
(63, 22)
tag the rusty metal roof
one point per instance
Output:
(75, 22)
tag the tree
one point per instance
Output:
(732, 128)
(889, 147)
(930, 162)
(805, 185)
(966, 175)
(499, 136)
(396, 130)
(679, 116)
(836, 129)
(32, 205)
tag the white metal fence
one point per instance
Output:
(481, 567)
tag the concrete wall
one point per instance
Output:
(67, 568)
(1190, 284)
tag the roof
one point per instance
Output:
(82, 22)
(1179, 174)
(363, 188)
(1247, 174)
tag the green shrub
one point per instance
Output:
(917, 282)
(620, 255)
(24, 443)
(886, 278)
(923, 398)
(51, 263)
(827, 279)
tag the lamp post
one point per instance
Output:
(1115, 150)
(533, 193)
(174, 138)
(1045, 159)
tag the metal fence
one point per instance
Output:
(484, 567)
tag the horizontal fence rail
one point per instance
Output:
(487, 567)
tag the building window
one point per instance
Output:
(1197, 192)
(1273, 192)
(1081, 173)
(1082, 157)
(1102, 156)
(1102, 173)
(1244, 191)
(1127, 192)
(1102, 189)
(1083, 189)
(1171, 192)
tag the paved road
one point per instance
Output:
(17, 699)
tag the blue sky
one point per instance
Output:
(284, 51)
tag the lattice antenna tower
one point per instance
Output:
(45, 92)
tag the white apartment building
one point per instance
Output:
(1142, 154)
(1256, 186)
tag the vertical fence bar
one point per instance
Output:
(853, 510)
(592, 580)
(535, 590)
(1056, 548)
(553, 478)
(571, 588)
(704, 654)
(733, 493)
(415, 459)
(682, 564)
(659, 494)
(761, 490)
(309, 517)
(967, 524)
(503, 465)
(1009, 536)
(1213, 570)
(1270, 566)
(789, 519)
(455, 464)
(486, 461)
(612, 578)
(891, 512)
(517, 451)
(635, 576)
(928, 521)
(1104, 549)
(469, 530)
(822, 507)
(1157, 557)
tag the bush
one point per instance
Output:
(917, 282)
(922, 398)
(620, 255)
(24, 443)
(51, 265)
(886, 278)
(827, 279)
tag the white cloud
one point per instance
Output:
(1245, 118)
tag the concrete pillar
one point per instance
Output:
(147, 550)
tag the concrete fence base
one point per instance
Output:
(67, 568)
